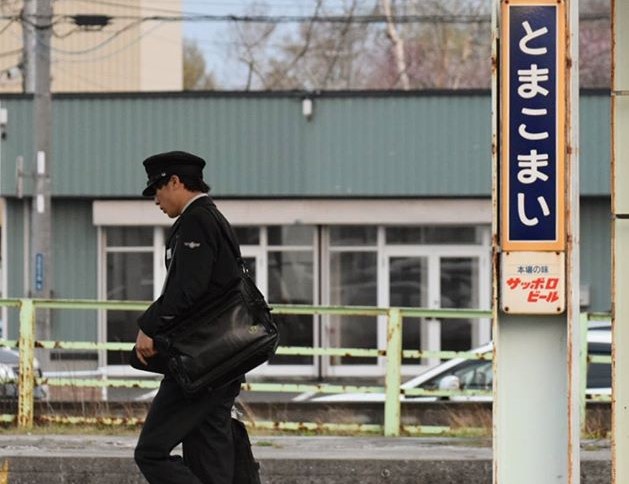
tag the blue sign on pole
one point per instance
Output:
(39, 271)
(532, 127)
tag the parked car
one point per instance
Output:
(9, 370)
(461, 374)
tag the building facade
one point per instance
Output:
(129, 54)
(372, 199)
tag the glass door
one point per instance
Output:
(285, 268)
(459, 289)
(409, 287)
(434, 279)
(412, 266)
(129, 275)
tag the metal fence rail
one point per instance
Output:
(393, 354)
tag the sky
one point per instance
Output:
(216, 38)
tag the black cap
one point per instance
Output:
(164, 165)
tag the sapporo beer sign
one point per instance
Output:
(532, 184)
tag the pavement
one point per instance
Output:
(82, 459)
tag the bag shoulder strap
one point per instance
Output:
(228, 233)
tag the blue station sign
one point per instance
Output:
(532, 179)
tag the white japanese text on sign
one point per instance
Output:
(532, 121)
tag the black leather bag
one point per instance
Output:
(222, 343)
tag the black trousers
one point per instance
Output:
(201, 423)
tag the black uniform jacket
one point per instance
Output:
(201, 267)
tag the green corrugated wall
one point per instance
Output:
(75, 268)
(595, 258)
(415, 144)
(13, 230)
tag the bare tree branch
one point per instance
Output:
(305, 47)
(339, 44)
(419, 55)
(398, 45)
(249, 57)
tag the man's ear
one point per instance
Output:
(176, 180)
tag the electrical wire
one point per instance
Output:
(97, 46)
(277, 19)
(113, 3)
(11, 52)
(111, 54)
(110, 3)
(331, 19)
(6, 27)
(272, 19)
(102, 44)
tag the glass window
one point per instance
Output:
(290, 281)
(129, 278)
(353, 235)
(599, 375)
(247, 235)
(129, 237)
(290, 277)
(291, 235)
(472, 375)
(353, 282)
(459, 290)
(437, 234)
(408, 287)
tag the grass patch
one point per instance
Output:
(73, 429)
(468, 433)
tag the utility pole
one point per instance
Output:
(37, 26)
(536, 242)
(620, 241)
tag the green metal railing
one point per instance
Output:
(393, 354)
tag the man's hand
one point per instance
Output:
(144, 347)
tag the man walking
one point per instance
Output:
(200, 266)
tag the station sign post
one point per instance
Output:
(536, 431)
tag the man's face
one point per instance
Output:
(167, 198)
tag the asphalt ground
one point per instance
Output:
(101, 459)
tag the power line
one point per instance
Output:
(99, 45)
(93, 48)
(6, 27)
(109, 54)
(263, 18)
(219, 3)
(271, 19)
(137, 7)
(333, 19)
(11, 52)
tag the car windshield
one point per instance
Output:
(478, 374)
(9, 357)
(472, 375)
